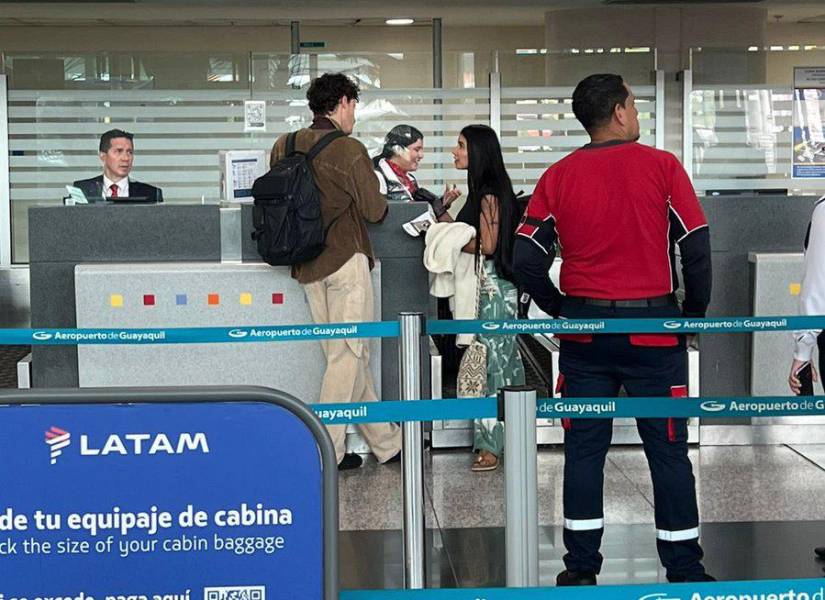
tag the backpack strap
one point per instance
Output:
(323, 143)
(290, 143)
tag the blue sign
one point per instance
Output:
(209, 501)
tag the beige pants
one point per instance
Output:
(346, 297)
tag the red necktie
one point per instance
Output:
(113, 187)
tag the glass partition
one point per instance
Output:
(186, 108)
(531, 67)
(538, 127)
(741, 118)
(183, 110)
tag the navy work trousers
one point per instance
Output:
(599, 368)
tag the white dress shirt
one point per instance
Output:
(812, 296)
(122, 187)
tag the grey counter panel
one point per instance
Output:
(61, 237)
(109, 233)
(294, 367)
(740, 225)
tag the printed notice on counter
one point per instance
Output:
(239, 170)
(159, 501)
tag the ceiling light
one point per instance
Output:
(404, 21)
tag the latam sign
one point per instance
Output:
(127, 444)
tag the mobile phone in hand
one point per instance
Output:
(805, 377)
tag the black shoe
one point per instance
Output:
(394, 459)
(350, 461)
(692, 578)
(820, 552)
(569, 578)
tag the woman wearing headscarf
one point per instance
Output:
(400, 157)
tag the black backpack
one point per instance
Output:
(287, 212)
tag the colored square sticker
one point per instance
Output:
(277, 298)
(213, 299)
(795, 289)
(181, 299)
(116, 300)
(246, 298)
(148, 299)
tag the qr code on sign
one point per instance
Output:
(235, 592)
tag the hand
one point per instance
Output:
(691, 340)
(793, 380)
(450, 195)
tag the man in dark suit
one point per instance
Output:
(117, 155)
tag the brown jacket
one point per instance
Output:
(350, 198)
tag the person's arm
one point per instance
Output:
(365, 187)
(812, 296)
(488, 228)
(689, 228)
(534, 251)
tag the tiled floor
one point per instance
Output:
(760, 505)
(734, 483)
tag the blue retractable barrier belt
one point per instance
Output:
(777, 589)
(570, 326)
(577, 408)
(199, 335)
(380, 329)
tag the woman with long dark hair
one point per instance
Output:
(492, 210)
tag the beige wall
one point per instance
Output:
(163, 39)
(795, 33)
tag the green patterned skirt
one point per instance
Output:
(499, 301)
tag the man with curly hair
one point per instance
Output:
(337, 282)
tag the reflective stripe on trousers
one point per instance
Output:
(678, 536)
(583, 524)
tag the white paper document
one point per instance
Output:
(419, 225)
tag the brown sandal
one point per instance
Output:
(485, 461)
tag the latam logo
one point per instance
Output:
(56, 440)
(42, 336)
(672, 324)
(238, 333)
(711, 406)
(491, 326)
(129, 444)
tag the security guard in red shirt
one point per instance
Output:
(618, 210)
